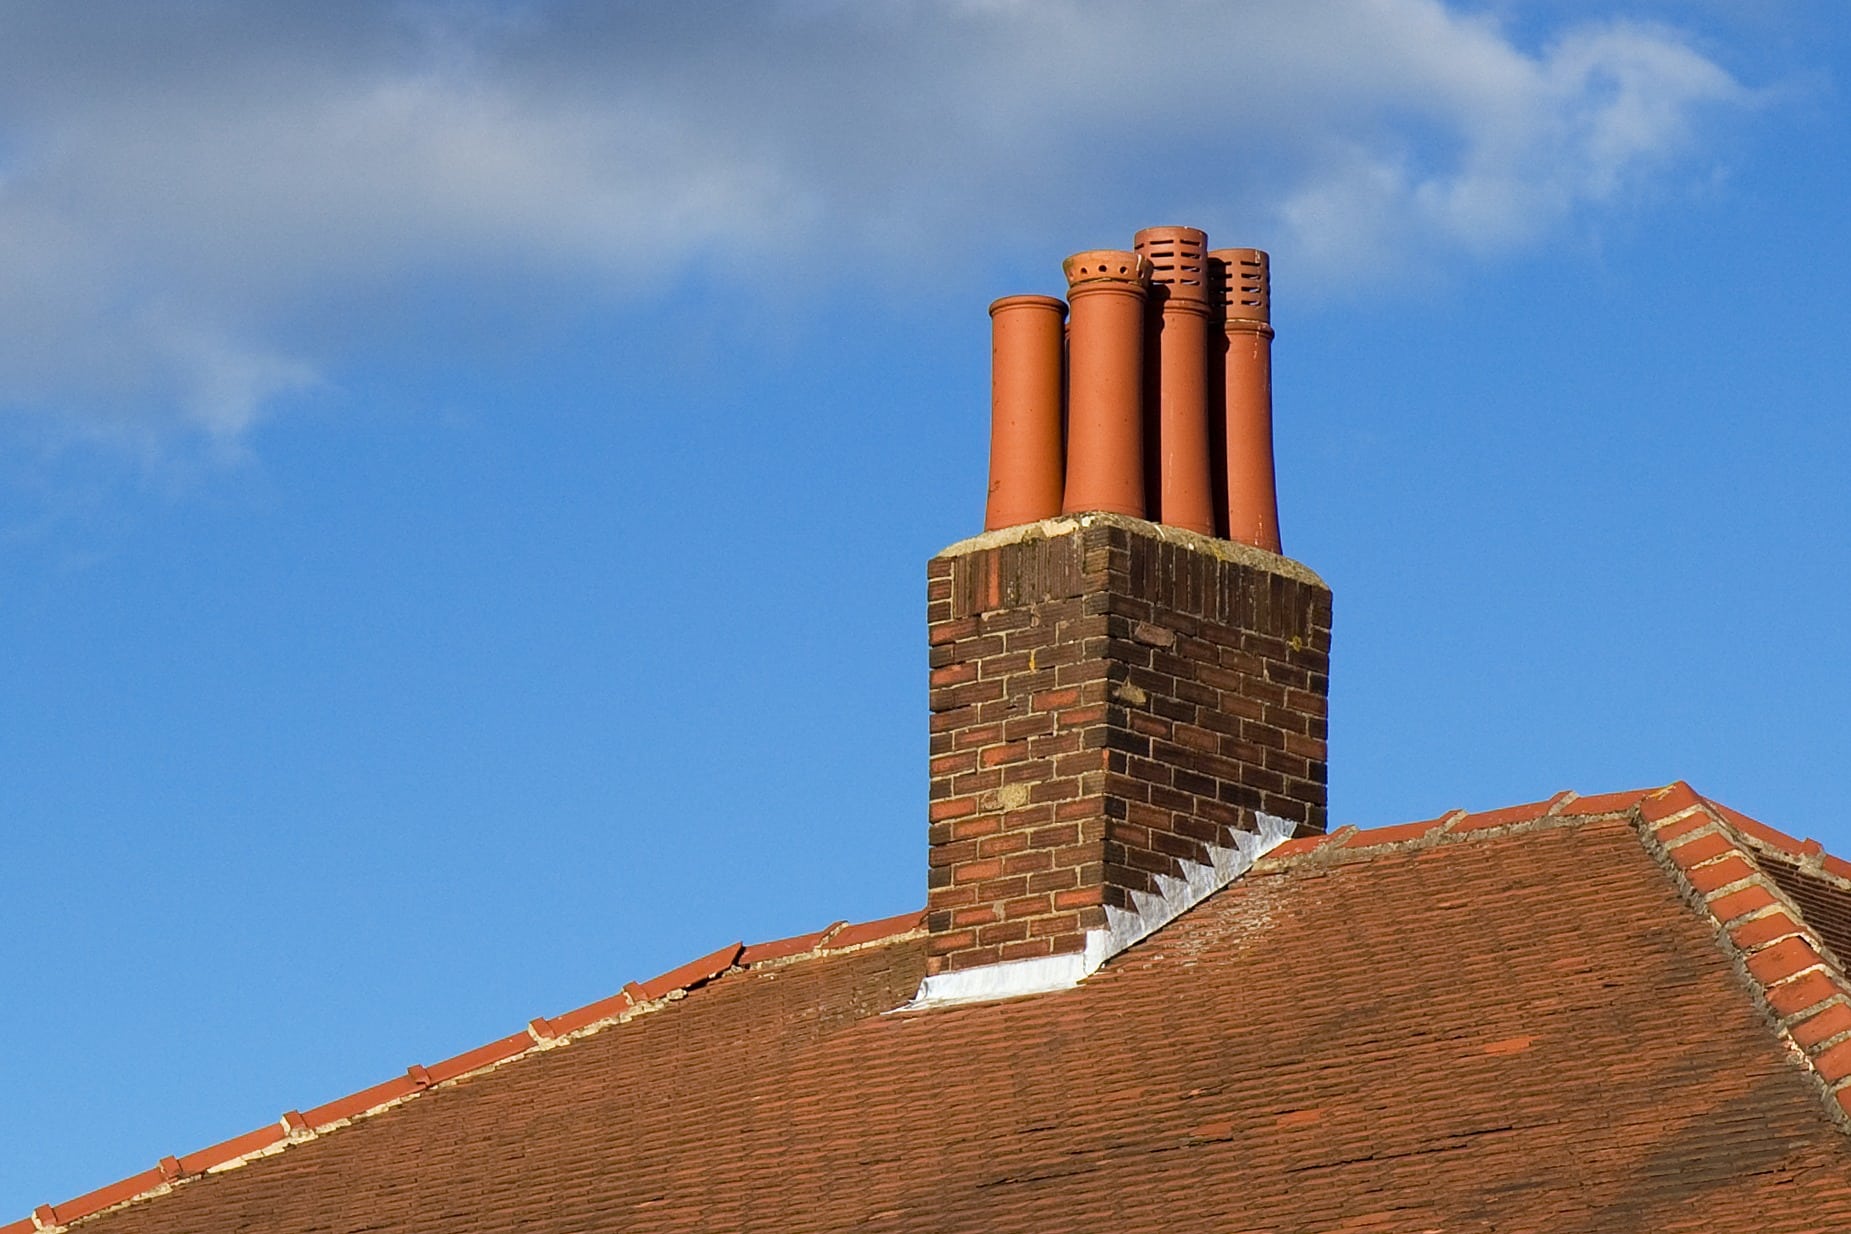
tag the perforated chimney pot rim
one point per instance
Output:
(1106, 266)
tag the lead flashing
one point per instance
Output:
(1150, 912)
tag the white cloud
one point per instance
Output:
(174, 193)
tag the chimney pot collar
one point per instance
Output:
(1011, 302)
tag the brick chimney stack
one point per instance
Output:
(1124, 715)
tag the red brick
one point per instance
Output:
(1005, 886)
(951, 764)
(957, 940)
(1057, 879)
(1703, 848)
(1758, 930)
(1828, 1023)
(1684, 826)
(975, 828)
(996, 756)
(1054, 836)
(1737, 904)
(1052, 926)
(1027, 906)
(976, 871)
(1002, 845)
(978, 735)
(952, 897)
(1719, 874)
(952, 674)
(1054, 700)
(956, 807)
(1797, 995)
(951, 631)
(1002, 932)
(1669, 800)
(1031, 862)
(1781, 961)
(1834, 1064)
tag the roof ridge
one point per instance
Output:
(1712, 853)
(1350, 844)
(543, 1033)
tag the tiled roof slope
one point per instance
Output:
(1599, 1013)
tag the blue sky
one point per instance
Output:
(466, 472)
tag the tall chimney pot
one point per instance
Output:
(1245, 390)
(1027, 339)
(1176, 361)
(1107, 289)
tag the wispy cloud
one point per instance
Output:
(176, 194)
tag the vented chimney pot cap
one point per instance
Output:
(1179, 262)
(1245, 284)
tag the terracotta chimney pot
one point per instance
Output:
(1246, 395)
(1027, 339)
(1176, 364)
(1105, 361)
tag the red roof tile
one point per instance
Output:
(1425, 1015)
(875, 931)
(692, 973)
(232, 1149)
(482, 1056)
(784, 948)
(1509, 815)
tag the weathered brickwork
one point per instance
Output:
(1109, 698)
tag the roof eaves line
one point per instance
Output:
(293, 1128)
(1790, 972)
(1150, 912)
